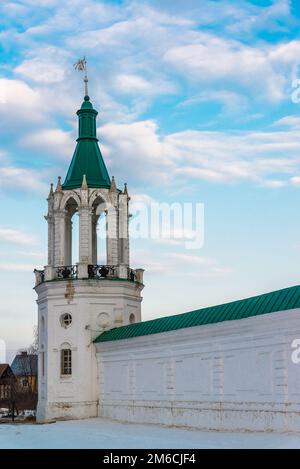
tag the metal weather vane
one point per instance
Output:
(80, 65)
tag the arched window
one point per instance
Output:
(101, 240)
(66, 360)
(66, 320)
(71, 232)
(75, 239)
(99, 232)
(132, 318)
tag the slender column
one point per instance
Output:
(50, 221)
(59, 240)
(123, 230)
(94, 239)
(85, 233)
(112, 236)
(68, 239)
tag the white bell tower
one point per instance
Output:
(77, 301)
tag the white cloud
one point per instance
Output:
(267, 158)
(192, 259)
(199, 266)
(160, 17)
(14, 267)
(19, 101)
(142, 41)
(265, 69)
(41, 70)
(139, 61)
(124, 32)
(231, 102)
(51, 141)
(138, 198)
(295, 180)
(12, 236)
(155, 267)
(273, 183)
(47, 66)
(15, 178)
(288, 121)
(12, 8)
(72, 15)
(136, 144)
(41, 3)
(174, 263)
(274, 17)
(90, 14)
(39, 255)
(132, 83)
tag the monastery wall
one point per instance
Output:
(234, 375)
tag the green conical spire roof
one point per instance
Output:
(87, 158)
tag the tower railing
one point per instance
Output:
(66, 272)
(94, 271)
(102, 271)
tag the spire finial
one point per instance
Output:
(80, 65)
(125, 191)
(84, 185)
(58, 187)
(51, 191)
(113, 187)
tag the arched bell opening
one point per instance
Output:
(99, 232)
(71, 232)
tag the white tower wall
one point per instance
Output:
(95, 301)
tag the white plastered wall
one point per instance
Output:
(226, 376)
(95, 305)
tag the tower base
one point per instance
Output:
(91, 306)
(52, 411)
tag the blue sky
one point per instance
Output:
(195, 105)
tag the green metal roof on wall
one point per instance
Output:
(87, 158)
(280, 300)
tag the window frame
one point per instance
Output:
(66, 317)
(66, 362)
(25, 382)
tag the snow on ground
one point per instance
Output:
(101, 433)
